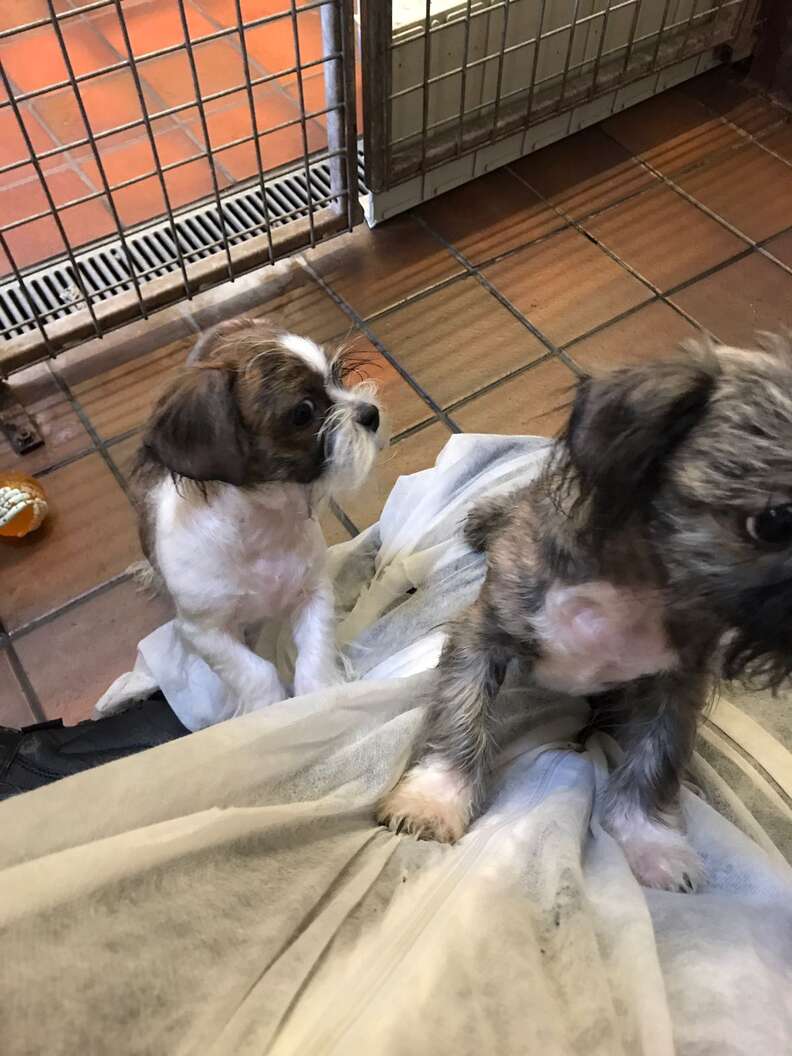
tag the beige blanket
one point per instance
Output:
(229, 893)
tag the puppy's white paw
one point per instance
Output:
(312, 682)
(262, 691)
(433, 801)
(659, 856)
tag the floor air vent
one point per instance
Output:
(105, 271)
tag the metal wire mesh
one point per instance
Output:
(106, 135)
(449, 76)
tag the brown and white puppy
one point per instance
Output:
(239, 453)
(651, 558)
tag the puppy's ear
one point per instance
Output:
(207, 344)
(196, 430)
(625, 426)
(211, 341)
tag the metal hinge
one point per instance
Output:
(18, 427)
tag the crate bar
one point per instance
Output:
(338, 35)
(303, 124)
(484, 12)
(442, 133)
(377, 60)
(688, 29)
(463, 77)
(152, 144)
(28, 297)
(254, 124)
(501, 55)
(518, 92)
(161, 292)
(719, 7)
(521, 45)
(631, 39)
(25, 97)
(568, 59)
(535, 64)
(165, 168)
(601, 47)
(427, 69)
(205, 130)
(217, 34)
(94, 195)
(660, 34)
(97, 157)
(150, 270)
(50, 200)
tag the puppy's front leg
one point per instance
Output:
(641, 809)
(253, 681)
(445, 785)
(314, 637)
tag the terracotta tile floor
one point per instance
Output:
(479, 311)
(95, 41)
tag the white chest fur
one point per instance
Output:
(595, 635)
(240, 555)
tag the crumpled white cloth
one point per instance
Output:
(230, 893)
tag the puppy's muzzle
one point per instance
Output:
(369, 417)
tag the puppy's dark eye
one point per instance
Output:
(772, 526)
(303, 413)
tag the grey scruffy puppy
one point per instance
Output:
(651, 558)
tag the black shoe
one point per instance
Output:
(37, 755)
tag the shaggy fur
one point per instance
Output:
(239, 454)
(651, 558)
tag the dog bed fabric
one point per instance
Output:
(229, 892)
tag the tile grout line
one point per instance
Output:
(496, 293)
(419, 295)
(119, 438)
(61, 463)
(344, 520)
(92, 449)
(362, 325)
(567, 347)
(64, 157)
(590, 215)
(88, 425)
(577, 225)
(526, 368)
(30, 694)
(668, 181)
(498, 258)
(785, 118)
(18, 669)
(611, 322)
(60, 610)
(411, 430)
(101, 445)
(546, 236)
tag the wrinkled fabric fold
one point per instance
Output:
(230, 893)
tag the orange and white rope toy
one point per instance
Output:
(23, 505)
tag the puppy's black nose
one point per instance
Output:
(369, 417)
